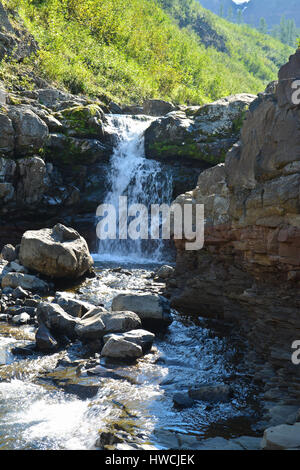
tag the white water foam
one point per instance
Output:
(143, 181)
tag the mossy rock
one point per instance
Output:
(83, 121)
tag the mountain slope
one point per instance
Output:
(128, 50)
(271, 10)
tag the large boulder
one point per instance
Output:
(157, 107)
(59, 252)
(282, 437)
(97, 323)
(26, 281)
(153, 310)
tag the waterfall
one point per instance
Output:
(142, 180)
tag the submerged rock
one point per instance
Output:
(153, 310)
(59, 252)
(212, 393)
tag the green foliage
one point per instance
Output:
(129, 50)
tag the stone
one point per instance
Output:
(7, 134)
(8, 253)
(117, 347)
(182, 400)
(44, 340)
(71, 305)
(211, 393)
(58, 322)
(25, 281)
(31, 132)
(20, 293)
(153, 310)
(17, 268)
(165, 272)
(282, 437)
(141, 337)
(97, 323)
(59, 252)
(157, 107)
(31, 184)
(21, 319)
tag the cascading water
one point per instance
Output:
(143, 181)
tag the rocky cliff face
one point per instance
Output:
(249, 269)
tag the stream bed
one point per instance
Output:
(53, 402)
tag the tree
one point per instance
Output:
(263, 27)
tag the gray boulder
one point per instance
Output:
(59, 252)
(25, 281)
(140, 337)
(153, 310)
(97, 323)
(31, 185)
(118, 347)
(31, 132)
(164, 272)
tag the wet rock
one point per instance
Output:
(4, 317)
(75, 307)
(142, 338)
(56, 320)
(21, 319)
(282, 437)
(17, 268)
(25, 281)
(8, 253)
(20, 293)
(182, 400)
(23, 351)
(117, 347)
(153, 310)
(44, 340)
(165, 272)
(107, 439)
(212, 393)
(59, 252)
(96, 323)
(81, 391)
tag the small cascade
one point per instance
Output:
(143, 181)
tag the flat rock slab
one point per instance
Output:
(282, 437)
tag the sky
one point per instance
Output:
(240, 1)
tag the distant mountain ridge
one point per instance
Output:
(271, 10)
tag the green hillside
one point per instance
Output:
(127, 50)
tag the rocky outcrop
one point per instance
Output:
(199, 133)
(59, 252)
(249, 269)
